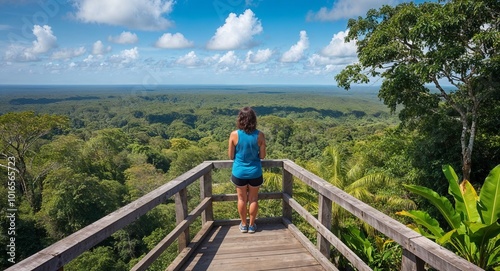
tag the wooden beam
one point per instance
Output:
(410, 262)
(425, 249)
(287, 186)
(234, 197)
(65, 250)
(265, 163)
(328, 235)
(325, 218)
(325, 262)
(153, 254)
(181, 212)
(188, 251)
(206, 192)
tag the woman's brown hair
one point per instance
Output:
(247, 120)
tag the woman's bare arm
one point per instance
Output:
(261, 141)
(233, 140)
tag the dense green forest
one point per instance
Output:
(82, 152)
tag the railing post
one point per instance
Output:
(206, 192)
(410, 262)
(181, 212)
(287, 189)
(325, 218)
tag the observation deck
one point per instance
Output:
(277, 245)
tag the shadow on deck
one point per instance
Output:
(279, 244)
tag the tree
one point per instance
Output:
(105, 154)
(412, 47)
(473, 222)
(355, 180)
(19, 133)
(97, 259)
(72, 201)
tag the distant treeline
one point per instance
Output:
(24, 101)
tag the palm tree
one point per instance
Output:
(355, 180)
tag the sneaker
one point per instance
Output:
(243, 228)
(252, 228)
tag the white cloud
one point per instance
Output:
(125, 56)
(318, 60)
(124, 38)
(91, 59)
(99, 49)
(135, 14)
(45, 41)
(324, 64)
(335, 56)
(68, 53)
(345, 9)
(260, 57)
(236, 33)
(19, 53)
(229, 61)
(339, 48)
(189, 60)
(175, 41)
(296, 52)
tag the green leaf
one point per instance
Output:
(489, 197)
(494, 256)
(471, 201)
(454, 188)
(441, 203)
(446, 237)
(482, 234)
(424, 219)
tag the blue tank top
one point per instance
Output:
(246, 164)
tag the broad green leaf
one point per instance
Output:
(482, 233)
(424, 219)
(471, 201)
(494, 256)
(441, 203)
(454, 188)
(489, 197)
(446, 237)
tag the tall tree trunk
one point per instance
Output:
(467, 141)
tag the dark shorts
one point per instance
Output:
(243, 182)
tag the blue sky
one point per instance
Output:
(156, 42)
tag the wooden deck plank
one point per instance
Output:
(272, 247)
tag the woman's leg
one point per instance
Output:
(241, 191)
(253, 197)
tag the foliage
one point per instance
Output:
(98, 259)
(384, 255)
(72, 201)
(114, 151)
(411, 46)
(142, 179)
(355, 180)
(19, 134)
(105, 154)
(473, 228)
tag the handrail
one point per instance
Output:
(417, 250)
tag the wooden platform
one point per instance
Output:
(272, 247)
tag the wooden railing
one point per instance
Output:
(417, 250)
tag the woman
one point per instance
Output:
(247, 146)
